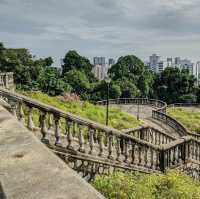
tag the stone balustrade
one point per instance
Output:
(158, 104)
(69, 134)
(150, 134)
(94, 148)
(6, 80)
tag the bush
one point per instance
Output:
(173, 185)
(189, 98)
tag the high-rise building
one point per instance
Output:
(99, 61)
(111, 62)
(99, 72)
(187, 64)
(100, 69)
(177, 61)
(155, 64)
(169, 62)
(197, 74)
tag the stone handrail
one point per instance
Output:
(85, 138)
(173, 123)
(180, 152)
(159, 113)
(6, 80)
(158, 104)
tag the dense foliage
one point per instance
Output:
(175, 85)
(173, 185)
(189, 117)
(132, 76)
(129, 77)
(117, 118)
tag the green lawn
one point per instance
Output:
(172, 185)
(117, 118)
(189, 117)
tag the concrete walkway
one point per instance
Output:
(145, 114)
(28, 170)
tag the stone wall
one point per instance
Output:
(29, 170)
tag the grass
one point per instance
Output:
(172, 185)
(117, 118)
(189, 117)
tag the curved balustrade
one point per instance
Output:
(159, 105)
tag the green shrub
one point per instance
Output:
(173, 185)
(117, 118)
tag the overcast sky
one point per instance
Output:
(108, 28)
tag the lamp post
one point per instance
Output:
(107, 80)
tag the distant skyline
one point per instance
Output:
(110, 28)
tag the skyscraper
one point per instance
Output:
(111, 62)
(99, 61)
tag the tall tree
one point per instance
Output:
(132, 76)
(174, 85)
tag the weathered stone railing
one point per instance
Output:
(180, 152)
(150, 134)
(6, 80)
(80, 141)
(159, 113)
(69, 134)
(168, 120)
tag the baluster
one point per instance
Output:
(196, 150)
(157, 160)
(101, 144)
(57, 130)
(43, 127)
(81, 140)
(156, 138)
(69, 134)
(110, 146)
(159, 138)
(14, 109)
(91, 140)
(125, 150)
(118, 152)
(50, 122)
(133, 153)
(21, 114)
(152, 158)
(146, 156)
(30, 119)
(174, 155)
(139, 155)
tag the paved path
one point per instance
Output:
(145, 114)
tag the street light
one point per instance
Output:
(107, 80)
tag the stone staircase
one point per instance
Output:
(91, 148)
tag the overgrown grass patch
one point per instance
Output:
(189, 117)
(117, 118)
(173, 185)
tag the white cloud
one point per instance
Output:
(108, 27)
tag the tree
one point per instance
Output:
(99, 92)
(79, 82)
(50, 82)
(173, 83)
(132, 76)
(73, 61)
